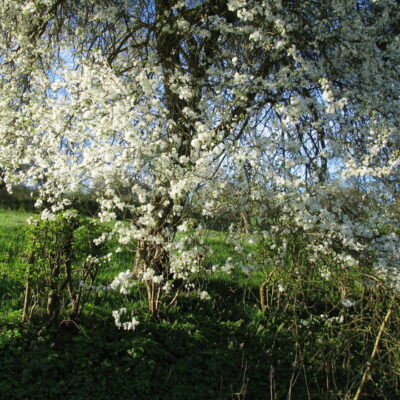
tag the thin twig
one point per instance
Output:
(374, 351)
(172, 302)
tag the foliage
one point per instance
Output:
(220, 348)
(12, 267)
(308, 341)
(62, 260)
(21, 199)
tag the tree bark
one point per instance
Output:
(150, 255)
(246, 222)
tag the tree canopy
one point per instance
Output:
(293, 103)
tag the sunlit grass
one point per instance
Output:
(13, 219)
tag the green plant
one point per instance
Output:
(63, 262)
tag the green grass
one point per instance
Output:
(222, 348)
(13, 219)
(12, 263)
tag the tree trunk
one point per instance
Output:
(53, 298)
(26, 299)
(52, 305)
(246, 222)
(150, 255)
(27, 296)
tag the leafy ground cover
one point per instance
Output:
(301, 336)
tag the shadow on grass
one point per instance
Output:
(204, 350)
(223, 348)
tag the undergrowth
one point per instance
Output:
(269, 333)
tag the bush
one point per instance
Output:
(63, 262)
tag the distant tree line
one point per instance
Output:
(23, 198)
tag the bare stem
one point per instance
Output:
(367, 367)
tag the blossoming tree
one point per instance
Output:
(292, 100)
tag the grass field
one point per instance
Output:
(13, 219)
(12, 266)
(305, 344)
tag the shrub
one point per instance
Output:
(63, 262)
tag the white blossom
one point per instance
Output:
(123, 281)
(348, 303)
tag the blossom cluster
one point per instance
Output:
(251, 108)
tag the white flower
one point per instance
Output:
(130, 325)
(158, 279)
(183, 227)
(47, 215)
(325, 273)
(348, 303)
(148, 275)
(227, 267)
(339, 319)
(255, 36)
(30, 220)
(109, 156)
(185, 93)
(123, 281)
(204, 295)
(117, 316)
(239, 248)
(233, 5)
